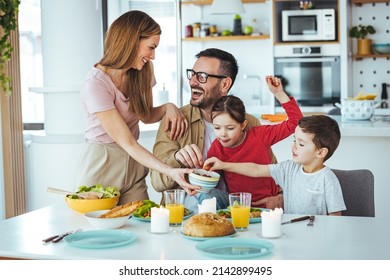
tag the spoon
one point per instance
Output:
(86, 195)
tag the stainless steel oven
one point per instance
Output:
(311, 74)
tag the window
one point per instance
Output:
(165, 64)
(31, 66)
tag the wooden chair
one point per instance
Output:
(358, 191)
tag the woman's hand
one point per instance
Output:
(175, 121)
(179, 176)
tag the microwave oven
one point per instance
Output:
(309, 25)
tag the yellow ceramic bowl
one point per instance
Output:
(88, 205)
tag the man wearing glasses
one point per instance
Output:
(211, 77)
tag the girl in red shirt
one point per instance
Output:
(234, 143)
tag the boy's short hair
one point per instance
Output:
(326, 132)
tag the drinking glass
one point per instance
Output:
(174, 202)
(240, 206)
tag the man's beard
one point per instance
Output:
(208, 101)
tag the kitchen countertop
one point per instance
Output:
(377, 126)
(331, 238)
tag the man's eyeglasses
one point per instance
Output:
(202, 76)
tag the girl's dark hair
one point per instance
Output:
(326, 132)
(231, 105)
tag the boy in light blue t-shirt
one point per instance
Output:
(309, 187)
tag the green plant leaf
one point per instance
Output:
(361, 31)
(8, 22)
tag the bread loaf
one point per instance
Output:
(208, 225)
(123, 210)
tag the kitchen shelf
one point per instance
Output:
(358, 56)
(209, 2)
(361, 2)
(226, 38)
(362, 56)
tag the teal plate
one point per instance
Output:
(100, 239)
(235, 248)
(251, 220)
(205, 238)
(148, 219)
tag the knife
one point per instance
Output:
(60, 237)
(296, 220)
(51, 238)
(57, 238)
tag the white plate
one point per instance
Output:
(100, 239)
(205, 238)
(259, 234)
(158, 233)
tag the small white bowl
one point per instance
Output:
(203, 175)
(104, 223)
(381, 48)
(207, 180)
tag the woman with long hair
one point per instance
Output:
(116, 95)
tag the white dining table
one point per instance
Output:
(331, 238)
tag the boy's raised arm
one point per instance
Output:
(245, 168)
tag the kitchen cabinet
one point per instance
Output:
(249, 84)
(280, 5)
(220, 38)
(368, 72)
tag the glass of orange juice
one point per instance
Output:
(174, 202)
(240, 206)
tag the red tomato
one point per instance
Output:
(274, 83)
(207, 167)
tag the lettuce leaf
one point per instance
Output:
(145, 210)
(107, 192)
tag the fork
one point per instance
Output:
(311, 221)
(61, 236)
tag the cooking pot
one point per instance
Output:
(352, 109)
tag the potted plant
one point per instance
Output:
(360, 32)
